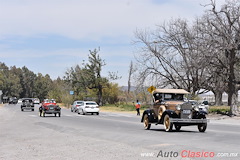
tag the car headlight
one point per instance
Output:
(178, 107)
(196, 108)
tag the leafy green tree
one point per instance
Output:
(96, 80)
(9, 82)
(111, 93)
(27, 79)
(42, 85)
(58, 90)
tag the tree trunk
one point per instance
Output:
(218, 98)
(231, 82)
(233, 106)
(100, 100)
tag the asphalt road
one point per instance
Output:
(118, 136)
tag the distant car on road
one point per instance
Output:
(89, 107)
(36, 101)
(76, 105)
(201, 107)
(13, 100)
(49, 107)
(27, 104)
(19, 101)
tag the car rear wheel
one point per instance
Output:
(167, 124)
(177, 127)
(55, 114)
(59, 114)
(97, 113)
(146, 123)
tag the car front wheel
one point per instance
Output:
(167, 124)
(202, 127)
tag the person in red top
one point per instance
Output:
(138, 106)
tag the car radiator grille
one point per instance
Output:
(186, 110)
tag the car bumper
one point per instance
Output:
(190, 121)
(91, 110)
(27, 107)
(52, 112)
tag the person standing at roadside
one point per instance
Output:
(138, 106)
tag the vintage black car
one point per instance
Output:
(27, 104)
(49, 107)
(169, 108)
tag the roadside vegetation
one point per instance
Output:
(224, 110)
(123, 107)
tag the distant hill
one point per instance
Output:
(125, 88)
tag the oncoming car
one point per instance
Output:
(27, 104)
(49, 107)
(169, 108)
(89, 107)
(36, 101)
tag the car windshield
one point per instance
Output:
(27, 100)
(171, 96)
(80, 103)
(91, 103)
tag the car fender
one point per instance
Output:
(150, 115)
(171, 113)
(199, 114)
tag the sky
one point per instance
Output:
(50, 36)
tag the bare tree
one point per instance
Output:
(171, 55)
(130, 73)
(225, 32)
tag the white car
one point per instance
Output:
(36, 101)
(76, 105)
(201, 107)
(89, 107)
(19, 101)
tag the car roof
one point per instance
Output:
(177, 91)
